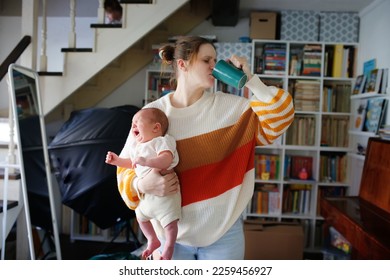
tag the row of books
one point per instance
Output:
(267, 166)
(375, 81)
(334, 131)
(306, 94)
(85, 226)
(271, 59)
(306, 60)
(311, 62)
(298, 167)
(336, 98)
(266, 199)
(333, 168)
(296, 198)
(340, 61)
(384, 132)
(369, 114)
(302, 131)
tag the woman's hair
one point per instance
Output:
(186, 48)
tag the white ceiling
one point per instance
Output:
(88, 8)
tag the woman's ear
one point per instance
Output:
(181, 64)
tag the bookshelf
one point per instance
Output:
(157, 83)
(312, 156)
(81, 228)
(366, 121)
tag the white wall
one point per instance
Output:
(373, 37)
(9, 37)
(133, 91)
(374, 43)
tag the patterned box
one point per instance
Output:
(225, 50)
(339, 27)
(299, 26)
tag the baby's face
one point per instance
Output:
(144, 129)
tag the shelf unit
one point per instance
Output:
(83, 229)
(321, 89)
(157, 83)
(359, 140)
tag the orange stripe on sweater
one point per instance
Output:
(211, 180)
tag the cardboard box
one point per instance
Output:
(273, 241)
(263, 25)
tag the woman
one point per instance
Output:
(216, 134)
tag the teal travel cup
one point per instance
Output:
(229, 74)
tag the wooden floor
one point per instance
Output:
(74, 250)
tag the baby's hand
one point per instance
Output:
(111, 157)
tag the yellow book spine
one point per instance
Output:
(337, 61)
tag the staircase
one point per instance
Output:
(118, 53)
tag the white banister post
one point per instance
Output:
(43, 57)
(11, 157)
(100, 12)
(72, 33)
(29, 27)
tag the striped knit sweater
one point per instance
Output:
(215, 138)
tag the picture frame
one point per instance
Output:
(373, 81)
(359, 84)
(368, 66)
(359, 115)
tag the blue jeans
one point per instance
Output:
(230, 246)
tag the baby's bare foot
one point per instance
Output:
(152, 245)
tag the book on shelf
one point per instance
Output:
(273, 59)
(368, 66)
(333, 167)
(296, 164)
(359, 115)
(266, 199)
(384, 132)
(385, 80)
(375, 114)
(267, 166)
(373, 81)
(336, 98)
(302, 130)
(296, 198)
(359, 84)
(306, 95)
(337, 61)
(312, 58)
(334, 131)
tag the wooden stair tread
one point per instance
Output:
(10, 204)
(106, 25)
(136, 1)
(11, 176)
(76, 50)
(46, 73)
